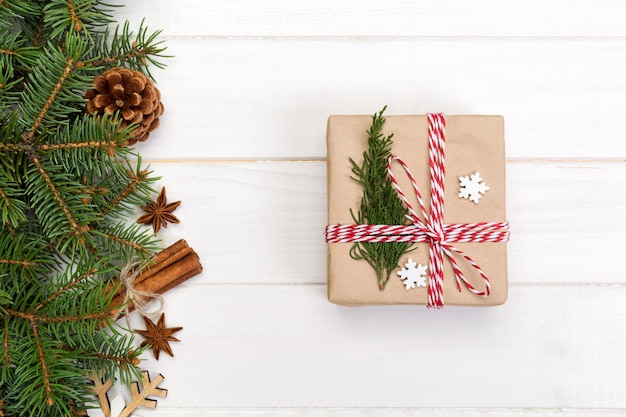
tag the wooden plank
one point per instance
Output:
(373, 18)
(285, 346)
(258, 99)
(263, 222)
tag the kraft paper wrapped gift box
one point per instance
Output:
(473, 144)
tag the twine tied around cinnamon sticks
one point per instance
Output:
(169, 268)
(135, 297)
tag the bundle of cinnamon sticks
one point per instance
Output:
(169, 268)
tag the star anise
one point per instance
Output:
(158, 336)
(159, 212)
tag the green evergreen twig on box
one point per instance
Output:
(380, 203)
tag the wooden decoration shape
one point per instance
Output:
(100, 388)
(140, 397)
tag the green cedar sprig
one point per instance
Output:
(380, 203)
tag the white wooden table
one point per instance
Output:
(242, 144)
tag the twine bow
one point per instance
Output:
(138, 298)
(431, 229)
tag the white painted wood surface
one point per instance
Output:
(242, 144)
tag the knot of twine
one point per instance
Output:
(431, 229)
(139, 299)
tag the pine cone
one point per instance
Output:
(131, 93)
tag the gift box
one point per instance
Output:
(473, 144)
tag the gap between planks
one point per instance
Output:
(546, 161)
(390, 38)
(392, 412)
(323, 284)
(424, 410)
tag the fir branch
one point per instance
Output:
(7, 52)
(11, 147)
(66, 359)
(39, 33)
(126, 242)
(66, 189)
(67, 287)
(76, 15)
(13, 58)
(44, 393)
(139, 54)
(89, 145)
(124, 362)
(74, 21)
(42, 360)
(69, 66)
(19, 8)
(107, 145)
(93, 191)
(5, 345)
(20, 262)
(35, 318)
(23, 256)
(55, 86)
(380, 203)
(77, 229)
(12, 207)
(14, 49)
(131, 187)
(108, 355)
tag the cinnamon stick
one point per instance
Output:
(161, 260)
(169, 268)
(188, 267)
(165, 258)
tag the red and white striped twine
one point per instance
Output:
(431, 229)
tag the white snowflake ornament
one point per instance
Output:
(413, 274)
(472, 187)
